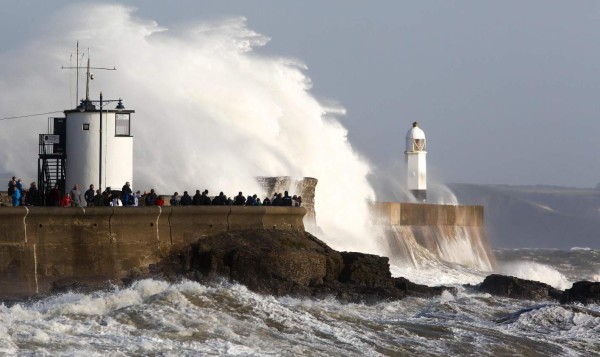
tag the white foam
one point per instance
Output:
(537, 272)
(439, 274)
(205, 85)
(581, 248)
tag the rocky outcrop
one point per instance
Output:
(585, 292)
(298, 264)
(290, 263)
(509, 286)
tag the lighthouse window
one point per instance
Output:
(419, 145)
(86, 126)
(122, 125)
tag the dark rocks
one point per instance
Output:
(290, 263)
(87, 285)
(366, 270)
(586, 292)
(516, 288)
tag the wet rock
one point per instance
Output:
(290, 263)
(585, 292)
(84, 285)
(366, 270)
(418, 290)
(516, 288)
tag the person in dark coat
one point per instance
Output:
(12, 185)
(205, 199)
(98, 199)
(126, 194)
(151, 198)
(107, 197)
(287, 200)
(219, 200)
(239, 200)
(55, 196)
(278, 201)
(197, 198)
(88, 196)
(174, 199)
(186, 199)
(33, 195)
(266, 201)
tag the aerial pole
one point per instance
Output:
(89, 75)
(77, 79)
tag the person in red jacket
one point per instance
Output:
(66, 201)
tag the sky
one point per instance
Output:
(506, 91)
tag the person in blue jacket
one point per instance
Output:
(16, 197)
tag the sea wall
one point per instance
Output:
(418, 234)
(303, 186)
(42, 246)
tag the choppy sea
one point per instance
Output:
(189, 319)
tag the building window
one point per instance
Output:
(122, 125)
(86, 126)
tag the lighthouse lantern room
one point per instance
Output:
(416, 167)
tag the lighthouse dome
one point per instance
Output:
(415, 132)
(415, 139)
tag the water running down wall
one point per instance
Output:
(420, 234)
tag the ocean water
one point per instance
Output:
(218, 83)
(154, 317)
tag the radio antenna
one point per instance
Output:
(89, 75)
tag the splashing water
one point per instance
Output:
(459, 245)
(210, 111)
(536, 271)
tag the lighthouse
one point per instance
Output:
(416, 168)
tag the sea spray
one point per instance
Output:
(211, 112)
(537, 272)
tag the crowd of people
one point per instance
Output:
(202, 199)
(20, 196)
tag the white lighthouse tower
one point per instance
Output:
(99, 145)
(416, 167)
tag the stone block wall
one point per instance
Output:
(42, 245)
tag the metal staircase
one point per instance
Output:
(52, 161)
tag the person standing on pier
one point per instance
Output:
(16, 197)
(75, 196)
(89, 196)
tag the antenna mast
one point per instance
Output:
(89, 75)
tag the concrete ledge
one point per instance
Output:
(420, 214)
(246, 218)
(284, 218)
(190, 223)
